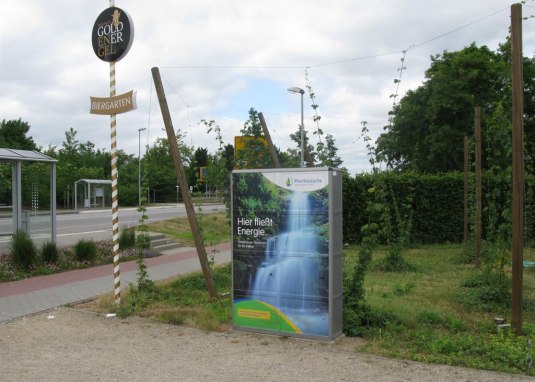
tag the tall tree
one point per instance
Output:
(430, 122)
(158, 168)
(14, 135)
(200, 159)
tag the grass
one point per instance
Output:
(215, 229)
(432, 322)
(182, 301)
(435, 322)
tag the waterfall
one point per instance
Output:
(289, 276)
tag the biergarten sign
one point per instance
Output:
(114, 105)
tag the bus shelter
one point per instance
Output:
(94, 193)
(19, 211)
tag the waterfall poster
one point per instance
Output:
(281, 251)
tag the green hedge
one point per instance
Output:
(436, 202)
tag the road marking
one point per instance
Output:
(83, 233)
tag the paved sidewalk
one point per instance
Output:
(30, 296)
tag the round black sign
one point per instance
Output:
(112, 34)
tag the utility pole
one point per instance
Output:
(478, 185)
(518, 168)
(183, 183)
(272, 151)
(465, 208)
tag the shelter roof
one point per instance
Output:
(94, 181)
(12, 155)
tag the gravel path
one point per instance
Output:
(74, 345)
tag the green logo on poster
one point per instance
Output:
(289, 182)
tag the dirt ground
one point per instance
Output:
(74, 345)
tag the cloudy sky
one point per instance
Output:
(220, 58)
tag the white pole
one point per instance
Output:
(302, 134)
(139, 165)
(114, 196)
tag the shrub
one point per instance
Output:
(143, 241)
(23, 251)
(50, 253)
(487, 290)
(85, 250)
(127, 239)
(434, 202)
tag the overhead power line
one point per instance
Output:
(336, 62)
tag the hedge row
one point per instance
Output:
(435, 203)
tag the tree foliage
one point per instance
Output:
(159, 171)
(255, 151)
(430, 122)
(14, 135)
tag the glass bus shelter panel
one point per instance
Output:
(35, 204)
(6, 205)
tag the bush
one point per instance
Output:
(356, 322)
(488, 290)
(127, 239)
(85, 250)
(50, 253)
(434, 202)
(23, 251)
(143, 241)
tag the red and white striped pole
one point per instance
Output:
(114, 198)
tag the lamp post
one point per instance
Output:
(302, 127)
(139, 164)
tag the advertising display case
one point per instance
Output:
(287, 251)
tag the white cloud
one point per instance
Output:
(48, 69)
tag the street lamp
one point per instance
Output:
(302, 127)
(139, 165)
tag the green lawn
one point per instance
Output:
(433, 318)
(215, 229)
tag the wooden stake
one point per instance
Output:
(183, 183)
(518, 168)
(465, 209)
(478, 185)
(308, 157)
(272, 151)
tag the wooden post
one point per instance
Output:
(308, 157)
(183, 183)
(465, 209)
(518, 168)
(272, 151)
(478, 185)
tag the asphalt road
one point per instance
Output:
(92, 224)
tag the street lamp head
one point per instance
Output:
(295, 89)
(141, 129)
